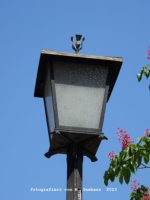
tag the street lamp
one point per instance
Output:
(75, 89)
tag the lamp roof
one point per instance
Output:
(113, 62)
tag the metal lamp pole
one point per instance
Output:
(74, 172)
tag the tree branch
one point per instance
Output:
(143, 167)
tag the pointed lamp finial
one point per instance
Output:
(78, 44)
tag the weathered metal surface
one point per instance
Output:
(45, 51)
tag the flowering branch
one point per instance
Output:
(139, 193)
(129, 159)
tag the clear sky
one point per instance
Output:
(111, 28)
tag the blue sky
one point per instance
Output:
(111, 28)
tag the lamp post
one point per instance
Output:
(75, 89)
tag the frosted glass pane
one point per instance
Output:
(79, 94)
(49, 101)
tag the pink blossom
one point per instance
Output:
(146, 133)
(111, 155)
(124, 138)
(148, 54)
(134, 185)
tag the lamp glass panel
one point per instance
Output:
(80, 92)
(49, 101)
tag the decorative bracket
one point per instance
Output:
(81, 142)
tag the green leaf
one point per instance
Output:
(117, 155)
(138, 190)
(112, 177)
(139, 76)
(126, 175)
(139, 159)
(124, 154)
(117, 170)
(143, 188)
(131, 195)
(127, 158)
(138, 140)
(146, 71)
(146, 158)
(147, 142)
(134, 158)
(131, 168)
(106, 182)
(120, 177)
(127, 150)
(106, 178)
(133, 145)
(130, 152)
